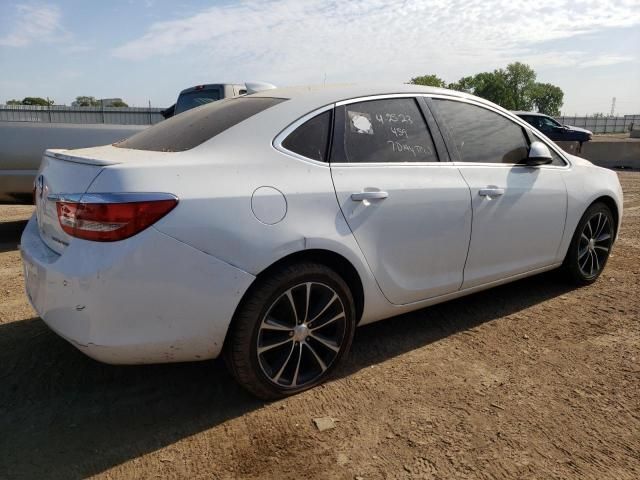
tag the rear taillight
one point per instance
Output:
(112, 217)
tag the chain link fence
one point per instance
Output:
(84, 115)
(150, 116)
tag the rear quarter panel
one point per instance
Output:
(215, 183)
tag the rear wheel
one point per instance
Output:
(591, 245)
(291, 331)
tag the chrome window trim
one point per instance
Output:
(393, 164)
(277, 142)
(281, 137)
(124, 197)
(378, 97)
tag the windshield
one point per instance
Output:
(196, 98)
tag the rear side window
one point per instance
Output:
(383, 131)
(480, 135)
(311, 139)
(191, 128)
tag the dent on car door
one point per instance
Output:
(410, 213)
(518, 211)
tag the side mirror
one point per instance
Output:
(539, 154)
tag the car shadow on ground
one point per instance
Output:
(10, 233)
(63, 415)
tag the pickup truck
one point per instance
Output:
(202, 94)
(23, 143)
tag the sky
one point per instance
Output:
(148, 50)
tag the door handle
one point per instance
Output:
(361, 196)
(491, 192)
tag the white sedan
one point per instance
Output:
(267, 227)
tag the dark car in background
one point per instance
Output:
(554, 129)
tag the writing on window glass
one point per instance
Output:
(400, 147)
(397, 127)
(389, 130)
(394, 118)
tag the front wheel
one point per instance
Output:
(291, 331)
(591, 245)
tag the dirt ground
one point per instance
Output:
(531, 380)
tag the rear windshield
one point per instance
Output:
(196, 98)
(191, 128)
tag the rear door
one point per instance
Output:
(518, 211)
(409, 212)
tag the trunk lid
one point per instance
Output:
(60, 174)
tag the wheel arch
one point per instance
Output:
(610, 202)
(331, 259)
(613, 206)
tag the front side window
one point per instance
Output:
(480, 135)
(191, 128)
(311, 139)
(383, 131)
(549, 123)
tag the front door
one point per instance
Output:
(518, 211)
(409, 213)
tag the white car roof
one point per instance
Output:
(316, 96)
(302, 100)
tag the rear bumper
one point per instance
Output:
(147, 299)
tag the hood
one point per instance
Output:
(578, 129)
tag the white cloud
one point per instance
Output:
(604, 60)
(299, 41)
(574, 58)
(76, 48)
(35, 23)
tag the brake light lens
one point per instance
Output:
(111, 221)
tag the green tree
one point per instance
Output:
(84, 101)
(43, 102)
(520, 80)
(492, 86)
(514, 88)
(429, 81)
(119, 103)
(547, 98)
(465, 84)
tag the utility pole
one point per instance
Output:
(613, 105)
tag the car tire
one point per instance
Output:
(590, 246)
(291, 330)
